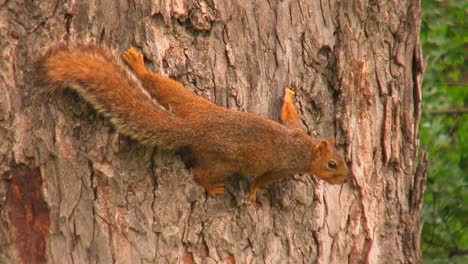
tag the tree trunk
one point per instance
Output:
(75, 191)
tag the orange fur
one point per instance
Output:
(223, 142)
(289, 115)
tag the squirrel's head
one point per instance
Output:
(328, 164)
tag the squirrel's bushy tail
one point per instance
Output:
(99, 77)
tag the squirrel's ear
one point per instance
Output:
(321, 147)
(331, 140)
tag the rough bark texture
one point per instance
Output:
(74, 191)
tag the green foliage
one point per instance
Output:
(444, 37)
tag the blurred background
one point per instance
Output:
(444, 131)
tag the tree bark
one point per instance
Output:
(75, 191)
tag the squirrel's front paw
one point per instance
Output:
(216, 190)
(288, 92)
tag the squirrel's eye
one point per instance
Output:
(331, 165)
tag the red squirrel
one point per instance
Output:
(223, 142)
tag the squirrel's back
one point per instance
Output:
(97, 75)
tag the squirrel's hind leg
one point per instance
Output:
(135, 61)
(167, 92)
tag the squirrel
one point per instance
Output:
(159, 111)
